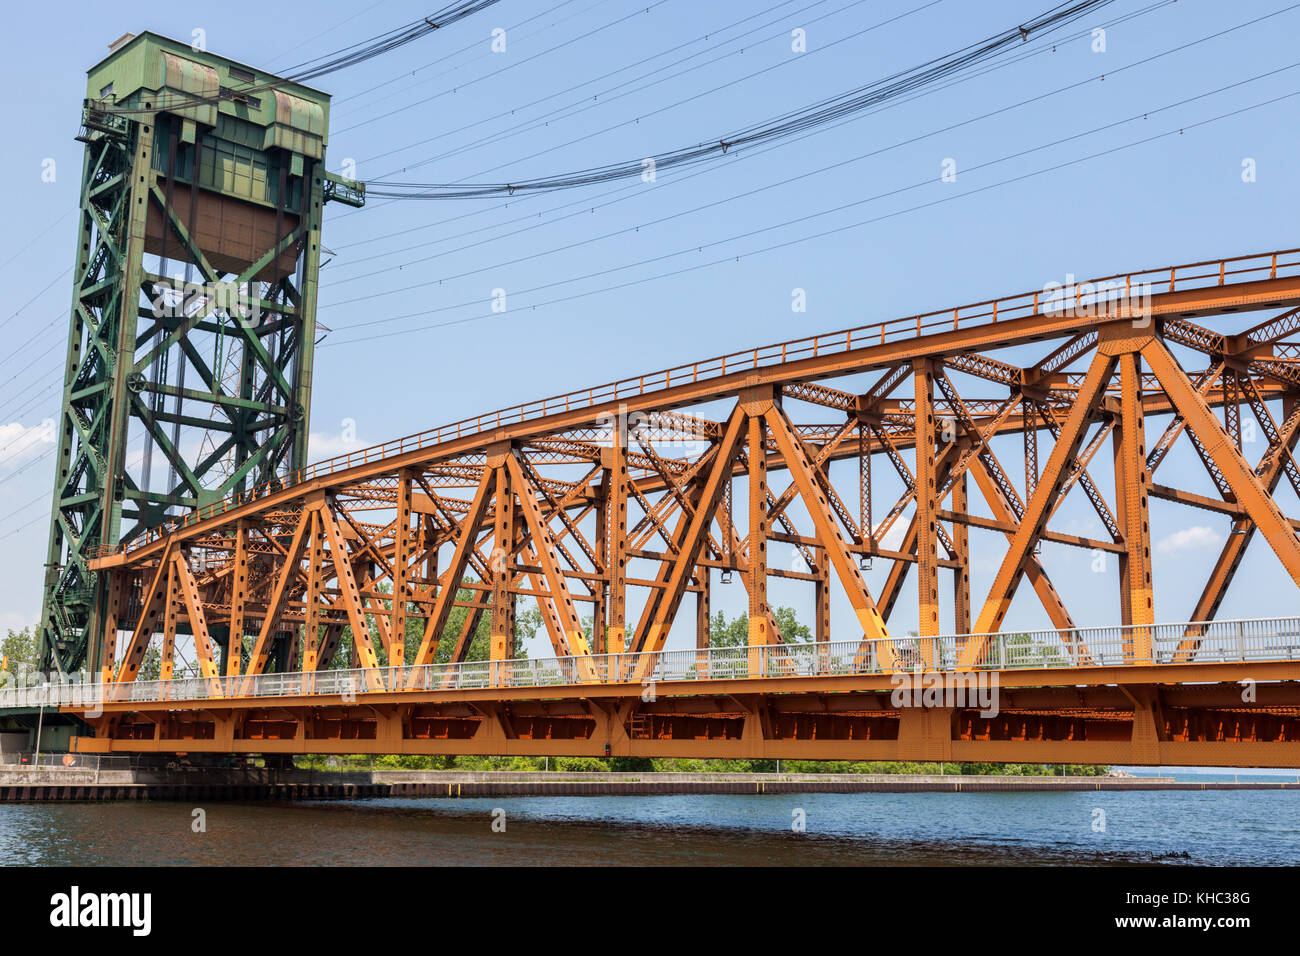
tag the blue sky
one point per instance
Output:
(407, 295)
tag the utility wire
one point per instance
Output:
(45, 378)
(602, 98)
(29, 242)
(445, 57)
(35, 400)
(35, 461)
(21, 527)
(637, 227)
(584, 202)
(23, 441)
(759, 189)
(43, 496)
(791, 242)
(13, 353)
(50, 285)
(812, 116)
(424, 101)
(316, 36)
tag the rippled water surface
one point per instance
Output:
(1211, 827)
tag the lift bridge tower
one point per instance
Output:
(193, 319)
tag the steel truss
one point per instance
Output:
(576, 502)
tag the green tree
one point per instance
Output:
(1021, 650)
(151, 666)
(735, 633)
(18, 650)
(527, 622)
(480, 645)
(877, 767)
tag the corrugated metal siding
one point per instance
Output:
(181, 78)
(299, 126)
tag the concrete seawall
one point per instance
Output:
(57, 783)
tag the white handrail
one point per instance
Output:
(1248, 640)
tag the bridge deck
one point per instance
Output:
(1217, 693)
(1085, 652)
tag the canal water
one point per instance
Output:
(1107, 828)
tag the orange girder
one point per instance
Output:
(552, 501)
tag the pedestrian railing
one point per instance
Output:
(1240, 641)
(28, 760)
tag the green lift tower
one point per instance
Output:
(193, 322)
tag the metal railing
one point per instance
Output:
(64, 761)
(1198, 275)
(1244, 641)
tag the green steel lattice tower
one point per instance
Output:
(190, 340)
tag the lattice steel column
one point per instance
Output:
(961, 544)
(1131, 485)
(502, 565)
(616, 531)
(927, 505)
(401, 570)
(822, 598)
(864, 490)
(756, 562)
(207, 370)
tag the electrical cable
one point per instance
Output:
(1001, 64)
(455, 53)
(641, 11)
(603, 98)
(622, 69)
(791, 242)
(637, 227)
(811, 116)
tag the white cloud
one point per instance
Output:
(20, 443)
(1196, 538)
(322, 445)
(1086, 528)
(893, 538)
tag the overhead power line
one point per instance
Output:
(780, 127)
(641, 83)
(1175, 131)
(443, 58)
(623, 190)
(360, 13)
(584, 205)
(374, 117)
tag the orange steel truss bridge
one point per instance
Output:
(656, 485)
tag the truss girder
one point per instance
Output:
(563, 511)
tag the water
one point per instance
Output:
(1211, 827)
